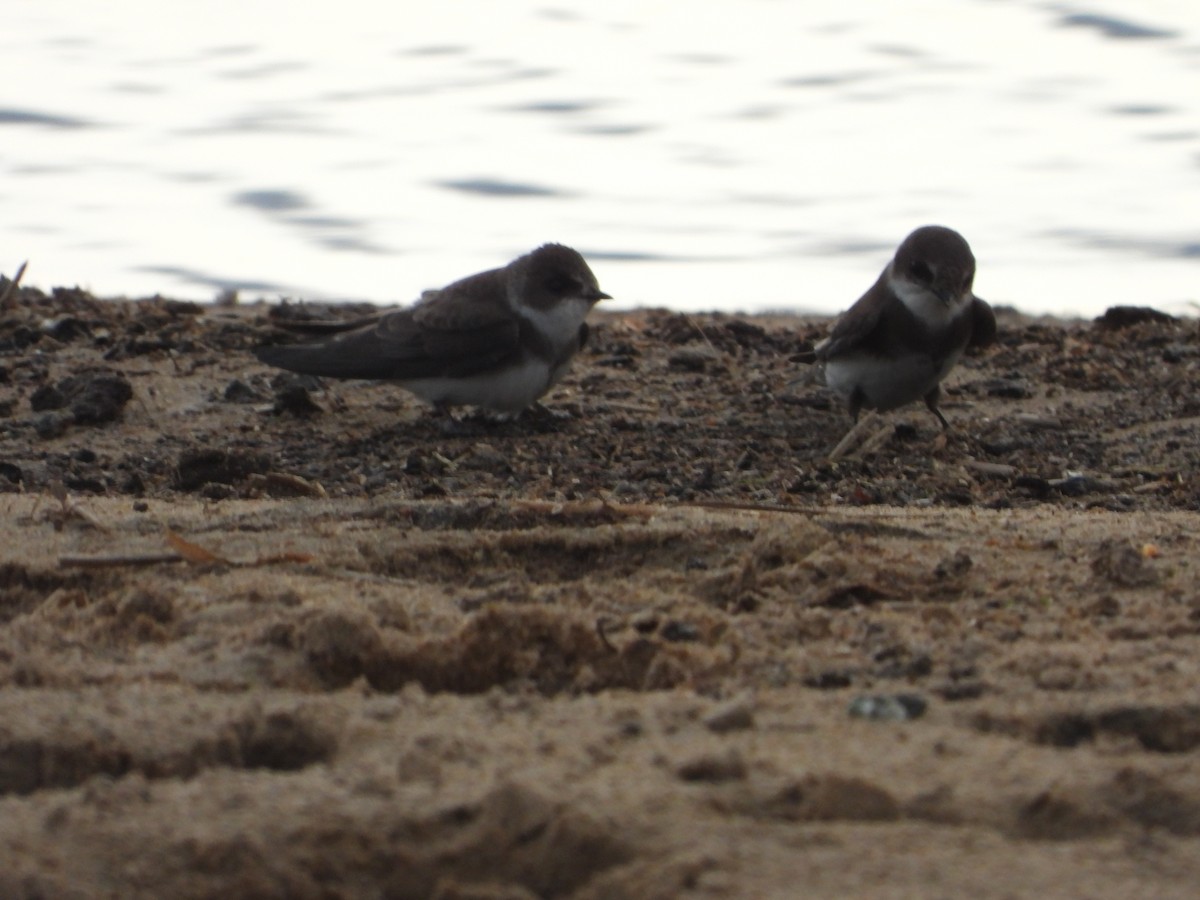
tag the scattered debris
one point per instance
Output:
(66, 511)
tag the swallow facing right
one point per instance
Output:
(904, 335)
(497, 340)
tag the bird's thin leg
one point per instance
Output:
(931, 401)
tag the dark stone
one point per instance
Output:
(677, 631)
(1117, 317)
(51, 425)
(47, 397)
(93, 397)
(830, 679)
(197, 468)
(237, 391)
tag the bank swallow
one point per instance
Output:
(497, 340)
(904, 335)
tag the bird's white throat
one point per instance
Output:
(924, 303)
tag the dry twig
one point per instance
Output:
(11, 288)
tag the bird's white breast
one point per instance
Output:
(507, 390)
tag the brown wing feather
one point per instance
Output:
(460, 330)
(856, 326)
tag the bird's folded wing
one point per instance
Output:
(983, 324)
(853, 329)
(454, 332)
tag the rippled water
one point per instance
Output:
(762, 154)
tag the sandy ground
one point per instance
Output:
(260, 637)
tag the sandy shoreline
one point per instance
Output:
(614, 654)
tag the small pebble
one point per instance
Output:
(237, 391)
(677, 631)
(714, 768)
(294, 399)
(733, 715)
(888, 707)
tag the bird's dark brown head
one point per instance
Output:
(937, 259)
(551, 274)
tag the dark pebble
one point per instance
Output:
(99, 398)
(295, 400)
(1009, 389)
(1077, 485)
(51, 425)
(93, 397)
(967, 689)
(830, 679)
(47, 397)
(237, 391)
(679, 632)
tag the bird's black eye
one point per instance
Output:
(920, 271)
(558, 283)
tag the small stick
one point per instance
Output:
(700, 331)
(874, 442)
(739, 506)
(852, 435)
(11, 288)
(121, 559)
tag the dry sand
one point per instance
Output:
(261, 639)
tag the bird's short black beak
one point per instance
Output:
(596, 296)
